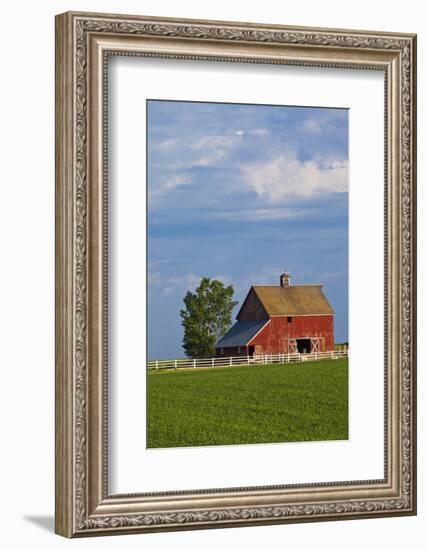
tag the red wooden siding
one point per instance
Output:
(274, 337)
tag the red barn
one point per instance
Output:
(281, 319)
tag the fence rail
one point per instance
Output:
(244, 360)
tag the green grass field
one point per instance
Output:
(248, 404)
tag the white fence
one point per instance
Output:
(244, 360)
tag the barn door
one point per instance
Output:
(292, 345)
(314, 345)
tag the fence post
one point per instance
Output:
(175, 363)
(248, 359)
(157, 365)
(194, 363)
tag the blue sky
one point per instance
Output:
(240, 193)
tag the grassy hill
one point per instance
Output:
(248, 404)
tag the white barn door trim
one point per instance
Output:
(315, 345)
(292, 345)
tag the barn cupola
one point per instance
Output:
(285, 280)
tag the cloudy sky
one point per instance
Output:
(240, 193)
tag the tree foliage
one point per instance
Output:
(206, 317)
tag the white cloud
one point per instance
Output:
(323, 122)
(214, 141)
(166, 145)
(179, 284)
(182, 283)
(177, 180)
(201, 151)
(313, 125)
(262, 132)
(188, 280)
(285, 176)
(210, 158)
(214, 148)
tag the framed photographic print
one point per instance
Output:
(235, 274)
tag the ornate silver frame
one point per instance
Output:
(83, 505)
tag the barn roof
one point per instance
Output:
(241, 333)
(294, 300)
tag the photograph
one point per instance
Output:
(247, 273)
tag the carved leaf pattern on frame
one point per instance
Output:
(212, 31)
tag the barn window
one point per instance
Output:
(239, 349)
(289, 319)
(221, 351)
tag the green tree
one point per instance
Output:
(206, 317)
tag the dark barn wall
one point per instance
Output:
(274, 337)
(252, 309)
